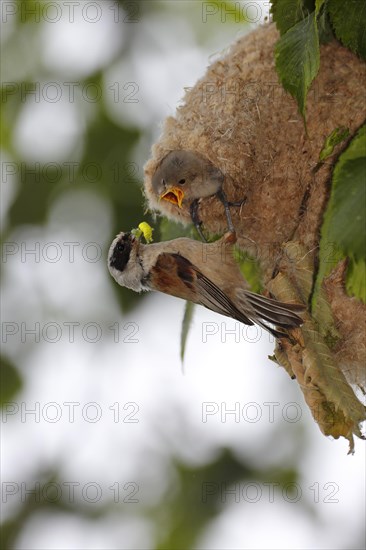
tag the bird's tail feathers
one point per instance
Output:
(267, 310)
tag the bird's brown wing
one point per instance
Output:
(173, 274)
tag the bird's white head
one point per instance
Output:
(124, 262)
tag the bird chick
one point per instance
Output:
(184, 177)
(206, 274)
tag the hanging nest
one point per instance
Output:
(240, 118)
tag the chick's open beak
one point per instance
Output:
(175, 195)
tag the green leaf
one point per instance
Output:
(186, 325)
(297, 59)
(349, 22)
(10, 380)
(286, 13)
(337, 136)
(356, 279)
(347, 204)
(329, 256)
(347, 227)
(343, 231)
(325, 29)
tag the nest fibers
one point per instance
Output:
(239, 117)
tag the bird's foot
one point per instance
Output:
(221, 195)
(237, 203)
(196, 219)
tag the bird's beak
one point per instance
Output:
(175, 195)
(136, 242)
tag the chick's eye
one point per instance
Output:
(182, 182)
(120, 247)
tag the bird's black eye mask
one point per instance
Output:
(121, 253)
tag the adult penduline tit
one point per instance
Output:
(203, 273)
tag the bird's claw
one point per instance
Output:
(196, 220)
(222, 197)
(237, 203)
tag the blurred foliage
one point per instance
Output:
(106, 144)
(183, 517)
(250, 268)
(199, 496)
(41, 498)
(37, 186)
(10, 381)
(203, 493)
(168, 230)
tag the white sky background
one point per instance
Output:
(170, 52)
